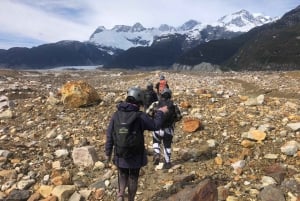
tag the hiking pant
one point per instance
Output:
(128, 177)
(166, 136)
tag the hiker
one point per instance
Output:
(150, 96)
(130, 156)
(165, 134)
(161, 85)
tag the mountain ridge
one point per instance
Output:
(124, 36)
(173, 47)
(273, 46)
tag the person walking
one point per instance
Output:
(161, 85)
(130, 155)
(166, 133)
(150, 96)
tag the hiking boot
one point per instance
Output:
(167, 165)
(156, 159)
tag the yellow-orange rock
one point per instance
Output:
(247, 143)
(60, 178)
(205, 95)
(257, 135)
(243, 98)
(191, 125)
(218, 160)
(78, 93)
(201, 91)
(45, 190)
(294, 117)
(185, 104)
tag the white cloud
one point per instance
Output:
(54, 20)
(31, 22)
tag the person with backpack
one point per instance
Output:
(165, 134)
(161, 85)
(125, 140)
(150, 96)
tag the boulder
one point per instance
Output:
(78, 93)
(191, 125)
(204, 191)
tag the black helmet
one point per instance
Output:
(166, 93)
(162, 77)
(136, 93)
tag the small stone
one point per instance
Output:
(290, 148)
(247, 143)
(271, 156)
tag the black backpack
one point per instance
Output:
(172, 115)
(127, 140)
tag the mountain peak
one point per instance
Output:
(243, 20)
(98, 30)
(188, 25)
(165, 27)
(137, 27)
(121, 28)
(242, 12)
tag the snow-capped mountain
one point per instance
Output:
(243, 21)
(123, 37)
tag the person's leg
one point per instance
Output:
(167, 141)
(133, 183)
(156, 145)
(123, 181)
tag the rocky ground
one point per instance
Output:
(247, 144)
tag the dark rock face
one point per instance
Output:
(163, 52)
(64, 53)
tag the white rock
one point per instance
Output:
(211, 143)
(25, 184)
(266, 181)
(294, 126)
(107, 183)
(290, 148)
(61, 152)
(7, 114)
(46, 178)
(239, 164)
(51, 134)
(159, 166)
(271, 156)
(99, 165)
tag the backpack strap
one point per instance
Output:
(127, 117)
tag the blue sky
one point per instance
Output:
(28, 23)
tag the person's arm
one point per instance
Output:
(156, 122)
(109, 139)
(157, 87)
(178, 113)
(151, 109)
